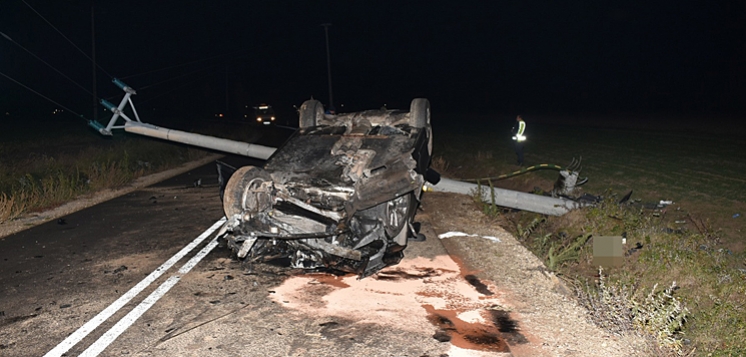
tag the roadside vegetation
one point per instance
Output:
(682, 284)
(55, 162)
(34, 181)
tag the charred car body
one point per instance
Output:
(341, 193)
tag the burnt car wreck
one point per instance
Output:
(340, 194)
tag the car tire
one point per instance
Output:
(419, 113)
(243, 194)
(397, 215)
(310, 113)
(419, 117)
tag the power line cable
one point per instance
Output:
(42, 95)
(45, 62)
(66, 38)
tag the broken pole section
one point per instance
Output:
(509, 198)
(229, 146)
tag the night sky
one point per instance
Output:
(498, 57)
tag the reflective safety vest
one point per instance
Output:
(519, 134)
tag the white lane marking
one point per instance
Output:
(102, 316)
(462, 234)
(127, 321)
(109, 337)
(195, 259)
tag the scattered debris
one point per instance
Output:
(117, 270)
(626, 197)
(462, 234)
(664, 203)
(637, 247)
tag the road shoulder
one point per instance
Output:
(543, 305)
(34, 219)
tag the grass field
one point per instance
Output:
(696, 243)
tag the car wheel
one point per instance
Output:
(244, 191)
(397, 214)
(310, 112)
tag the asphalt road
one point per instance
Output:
(98, 282)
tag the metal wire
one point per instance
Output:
(45, 62)
(66, 38)
(42, 95)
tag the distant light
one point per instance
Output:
(259, 119)
(263, 107)
(272, 118)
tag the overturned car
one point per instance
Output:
(340, 194)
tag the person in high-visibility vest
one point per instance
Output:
(519, 138)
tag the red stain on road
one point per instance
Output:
(417, 295)
(477, 336)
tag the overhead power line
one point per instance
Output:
(45, 62)
(41, 95)
(68, 40)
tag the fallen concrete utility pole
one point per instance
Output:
(209, 142)
(509, 198)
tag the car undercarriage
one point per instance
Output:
(340, 194)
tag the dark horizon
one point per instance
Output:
(584, 58)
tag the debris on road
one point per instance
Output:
(462, 234)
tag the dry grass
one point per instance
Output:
(38, 181)
(701, 312)
(11, 207)
(440, 165)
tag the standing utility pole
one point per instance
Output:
(93, 58)
(328, 64)
(227, 103)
